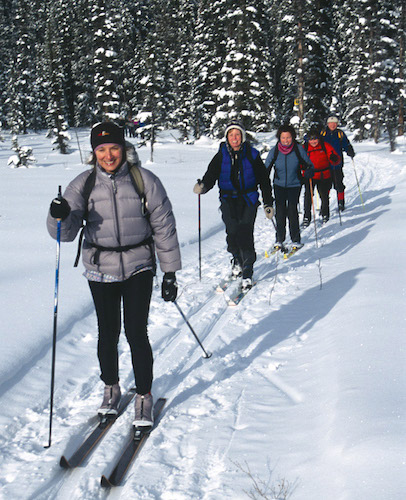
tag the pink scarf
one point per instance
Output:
(285, 149)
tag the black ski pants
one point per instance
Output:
(338, 181)
(323, 187)
(239, 219)
(286, 201)
(135, 296)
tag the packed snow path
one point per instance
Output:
(306, 382)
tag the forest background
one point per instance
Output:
(194, 65)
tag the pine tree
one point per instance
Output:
(303, 38)
(105, 67)
(183, 114)
(245, 87)
(56, 106)
(208, 55)
(22, 96)
(374, 87)
(5, 51)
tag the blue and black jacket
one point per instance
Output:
(340, 143)
(238, 174)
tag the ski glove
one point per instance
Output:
(269, 211)
(199, 187)
(350, 151)
(169, 287)
(308, 173)
(59, 208)
(334, 158)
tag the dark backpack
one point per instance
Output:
(300, 160)
(138, 183)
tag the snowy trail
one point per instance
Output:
(205, 433)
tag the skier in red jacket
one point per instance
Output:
(323, 156)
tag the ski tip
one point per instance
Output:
(266, 255)
(64, 462)
(105, 482)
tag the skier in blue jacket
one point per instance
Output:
(239, 170)
(340, 142)
(288, 159)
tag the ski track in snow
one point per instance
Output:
(185, 457)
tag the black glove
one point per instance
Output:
(350, 151)
(169, 287)
(309, 172)
(59, 208)
(334, 158)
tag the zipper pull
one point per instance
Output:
(113, 181)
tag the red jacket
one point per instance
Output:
(321, 159)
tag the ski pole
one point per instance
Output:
(206, 354)
(338, 204)
(314, 212)
(359, 189)
(58, 248)
(200, 240)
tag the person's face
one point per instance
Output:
(234, 138)
(286, 138)
(332, 126)
(109, 157)
(313, 142)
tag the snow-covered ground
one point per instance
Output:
(305, 391)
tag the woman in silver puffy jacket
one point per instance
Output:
(120, 240)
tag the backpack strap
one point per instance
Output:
(138, 183)
(87, 189)
(275, 156)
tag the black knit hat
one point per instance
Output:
(106, 133)
(313, 133)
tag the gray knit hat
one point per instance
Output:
(239, 126)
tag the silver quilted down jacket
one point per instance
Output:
(115, 220)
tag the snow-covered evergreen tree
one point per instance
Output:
(22, 91)
(303, 41)
(208, 55)
(245, 86)
(23, 155)
(58, 126)
(105, 23)
(183, 114)
(374, 87)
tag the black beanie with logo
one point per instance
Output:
(107, 133)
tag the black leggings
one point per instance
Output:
(135, 293)
(286, 200)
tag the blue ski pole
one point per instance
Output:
(58, 249)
